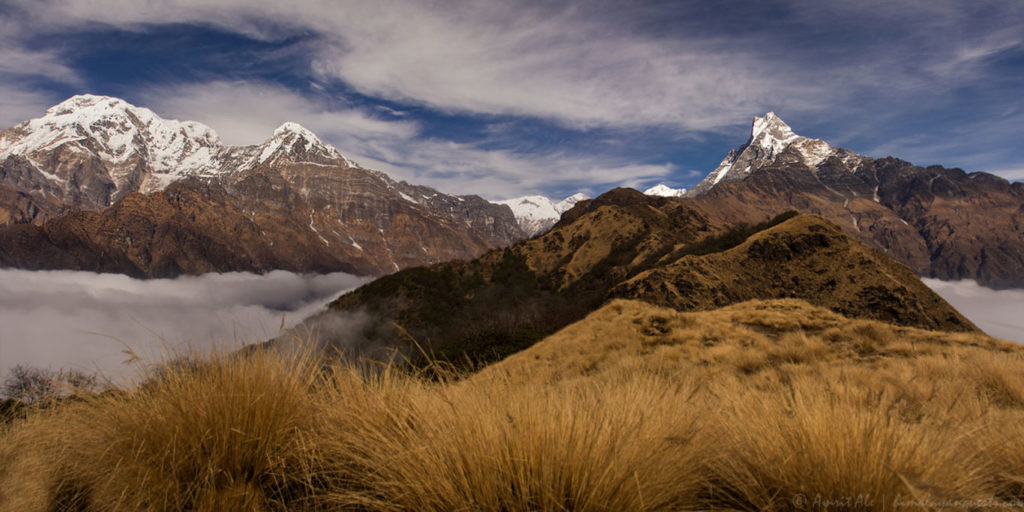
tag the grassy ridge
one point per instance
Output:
(487, 309)
(763, 406)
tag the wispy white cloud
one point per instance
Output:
(1010, 174)
(966, 60)
(247, 113)
(562, 63)
(83, 320)
(21, 69)
(586, 63)
(571, 63)
(19, 102)
(22, 62)
(986, 144)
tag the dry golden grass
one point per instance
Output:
(193, 438)
(761, 406)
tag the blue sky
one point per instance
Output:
(508, 98)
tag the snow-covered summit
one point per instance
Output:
(294, 142)
(133, 148)
(289, 127)
(566, 204)
(116, 132)
(665, 191)
(770, 139)
(536, 214)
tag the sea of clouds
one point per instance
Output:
(1000, 313)
(95, 322)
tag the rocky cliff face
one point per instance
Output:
(943, 223)
(91, 153)
(189, 227)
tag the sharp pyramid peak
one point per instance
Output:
(290, 136)
(770, 137)
(771, 123)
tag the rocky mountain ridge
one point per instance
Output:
(91, 152)
(142, 152)
(943, 223)
(624, 244)
(772, 140)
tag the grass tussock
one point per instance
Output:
(195, 437)
(766, 406)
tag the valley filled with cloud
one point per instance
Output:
(86, 321)
(997, 312)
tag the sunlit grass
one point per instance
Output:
(776, 407)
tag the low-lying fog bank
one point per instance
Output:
(84, 320)
(1000, 313)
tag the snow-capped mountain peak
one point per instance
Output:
(770, 138)
(115, 131)
(665, 191)
(129, 148)
(297, 144)
(771, 134)
(292, 133)
(770, 122)
(566, 204)
(536, 214)
(532, 207)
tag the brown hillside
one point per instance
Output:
(621, 225)
(750, 337)
(626, 245)
(806, 257)
(507, 299)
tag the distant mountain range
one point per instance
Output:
(99, 184)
